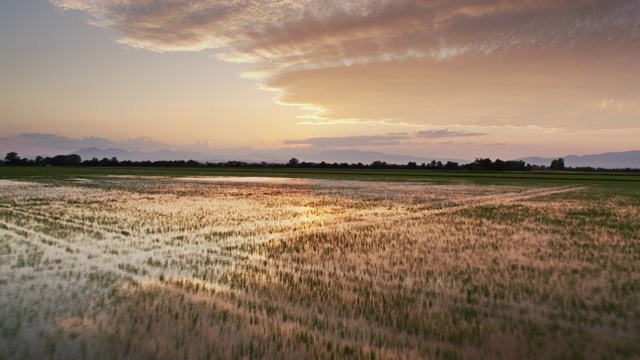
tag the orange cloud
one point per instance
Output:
(430, 62)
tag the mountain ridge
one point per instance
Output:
(608, 160)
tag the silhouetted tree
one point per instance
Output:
(481, 164)
(451, 165)
(557, 164)
(293, 162)
(12, 158)
(93, 162)
(66, 160)
(513, 165)
(378, 164)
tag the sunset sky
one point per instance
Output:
(431, 78)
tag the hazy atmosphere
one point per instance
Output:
(432, 78)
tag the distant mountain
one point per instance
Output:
(367, 157)
(610, 160)
(121, 154)
(271, 156)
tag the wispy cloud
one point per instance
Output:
(446, 133)
(611, 103)
(499, 144)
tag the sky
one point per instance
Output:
(430, 78)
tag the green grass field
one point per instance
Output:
(487, 178)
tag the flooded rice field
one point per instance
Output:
(201, 268)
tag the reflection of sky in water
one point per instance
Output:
(14, 183)
(248, 179)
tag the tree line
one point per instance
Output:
(480, 164)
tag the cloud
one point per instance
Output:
(71, 144)
(315, 33)
(311, 33)
(548, 90)
(432, 134)
(611, 103)
(408, 60)
(499, 144)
